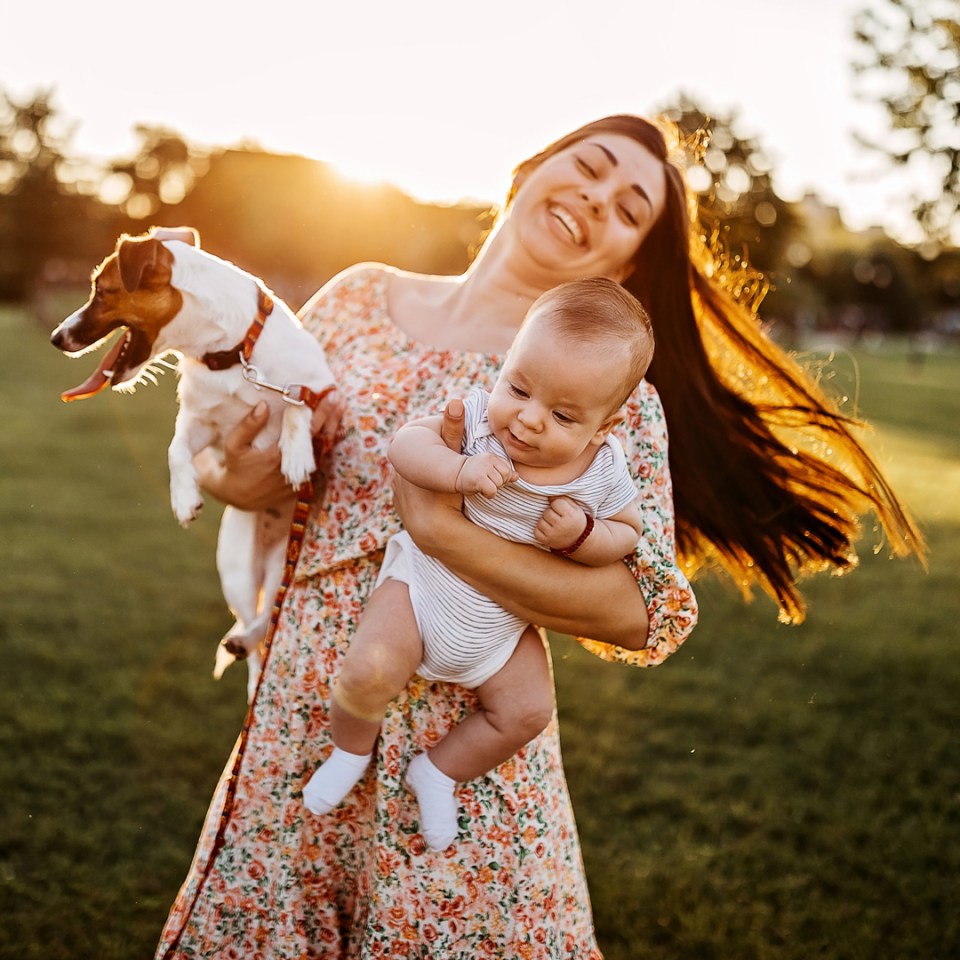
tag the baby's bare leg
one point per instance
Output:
(516, 704)
(382, 657)
(383, 654)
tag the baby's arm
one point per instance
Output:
(564, 522)
(419, 455)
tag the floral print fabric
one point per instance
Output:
(359, 883)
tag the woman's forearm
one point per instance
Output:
(602, 603)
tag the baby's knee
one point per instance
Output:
(532, 714)
(364, 676)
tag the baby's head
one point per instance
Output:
(597, 315)
(581, 351)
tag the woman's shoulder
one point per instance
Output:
(357, 275)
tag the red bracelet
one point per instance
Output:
(587, 530)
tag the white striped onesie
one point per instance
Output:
(466, 636)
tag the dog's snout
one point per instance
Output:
(57, 338)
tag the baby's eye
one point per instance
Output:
(586, 168)
(517, 392)
(563, 418)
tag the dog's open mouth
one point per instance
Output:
(115, 367)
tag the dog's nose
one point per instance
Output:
(56, 338)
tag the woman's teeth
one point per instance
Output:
(569, 222)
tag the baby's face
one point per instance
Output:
(553, 402)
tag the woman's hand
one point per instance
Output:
(248, 478)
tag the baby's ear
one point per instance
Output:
(603, 431)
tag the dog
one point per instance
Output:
(236, 345)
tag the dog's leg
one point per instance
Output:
(250, 557)
(189, 437)
(296, 444)
(240, 581)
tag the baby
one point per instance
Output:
(538, 465)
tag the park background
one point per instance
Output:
(771, 791)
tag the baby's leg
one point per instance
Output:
(516, 703)
(383, 654)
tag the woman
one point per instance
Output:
(270, 880)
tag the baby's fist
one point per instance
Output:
(484, 473)
(561, 524)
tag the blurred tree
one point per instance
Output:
(732, 174)
(911, 66)
(163, 172)
(295, 221)
(44, 217)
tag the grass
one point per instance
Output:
(769, 792)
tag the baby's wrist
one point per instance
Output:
(458, 476)
(578, 543)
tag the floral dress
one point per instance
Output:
(270, 880)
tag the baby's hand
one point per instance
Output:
(484, 473)
(561, 524)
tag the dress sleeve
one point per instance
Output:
(671, 604)
(328, 312)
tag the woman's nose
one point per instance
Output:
(594, 202)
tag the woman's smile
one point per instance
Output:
(570, 223)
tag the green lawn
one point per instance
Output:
(771, 791)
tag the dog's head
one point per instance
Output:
(131, 292)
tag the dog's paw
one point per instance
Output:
(186, 507)
(298, 473)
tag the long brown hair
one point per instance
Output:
(769, 478)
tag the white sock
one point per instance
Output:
(438, 804)
(333, 780)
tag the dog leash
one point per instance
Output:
(302, 396)
(298, 527)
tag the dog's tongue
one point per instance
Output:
(98, 379)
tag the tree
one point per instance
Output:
(737, 205)
(911, 67)
(164, 170)
(44, 217)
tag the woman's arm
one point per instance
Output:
(602, 603)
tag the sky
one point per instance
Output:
(443, 98)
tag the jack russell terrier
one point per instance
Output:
(236, 345)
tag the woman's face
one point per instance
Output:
(586, 209)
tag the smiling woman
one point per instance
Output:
(607, 188)
(756, 490)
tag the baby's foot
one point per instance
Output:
(333, 780)
(438, 803)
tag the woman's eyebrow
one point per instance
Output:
(610, 155)
(635, 187)
(640, 192)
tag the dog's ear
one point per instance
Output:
(134, 257)
(185, 234)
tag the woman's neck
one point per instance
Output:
(478, 312)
